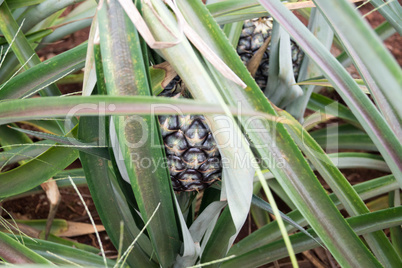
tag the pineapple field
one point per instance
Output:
(205, 133)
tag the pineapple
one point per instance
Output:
(252, 37)
(192, 154)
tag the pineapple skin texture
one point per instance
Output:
(193, 157)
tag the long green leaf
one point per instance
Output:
(270, 232)
(362, 107)
(350, 161)
(109, 198)
(18, 153)
(328, 106)
(308, 69)
(21, 47)
(79, 18)
(377, 241)
(136, 138)
(14, 4)
(390, 11)
(62, 180)
(35, 14)
(36, 171)
(236, 10)
(33, 37)
(55, 253)
(76, 144)
(380, 71)
(44, 73)
(394, 200)
(359, 160)
(13, 251)
(384, 31)
(50, 107)
(362, 224)
(345, 136)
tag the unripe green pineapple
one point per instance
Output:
(192, 154)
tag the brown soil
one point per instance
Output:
(71, 208)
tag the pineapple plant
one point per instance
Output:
(178, 232)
